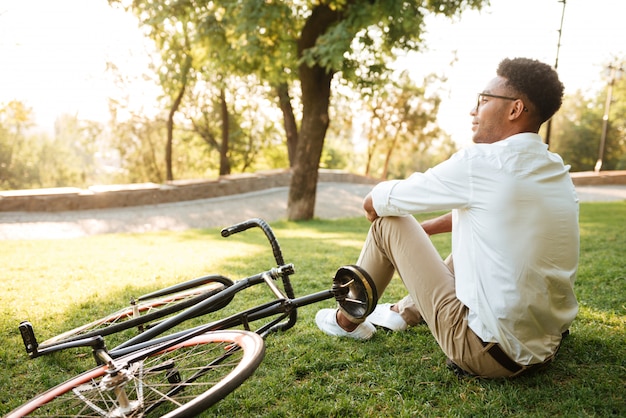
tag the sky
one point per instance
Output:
(53, 53)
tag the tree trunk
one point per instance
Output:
(170, 133)
(224, 162)
(170, 118)
(289, 121)
(315, 82)
(392, 147)
(369, 157)
(303, 187)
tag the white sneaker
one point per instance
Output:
(384, 317)
(326, 320)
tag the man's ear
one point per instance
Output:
(517, 109)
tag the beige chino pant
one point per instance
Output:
(400, 244)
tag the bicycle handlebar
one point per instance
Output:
(250, 223)
(278, 256)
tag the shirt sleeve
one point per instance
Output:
(443, 187)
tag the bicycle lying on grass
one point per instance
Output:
(183, 373)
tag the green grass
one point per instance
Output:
(57, 284)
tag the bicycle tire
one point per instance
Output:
(181, 381)
(169, 301)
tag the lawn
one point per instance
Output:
(57, 284)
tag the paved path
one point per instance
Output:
(334, 200)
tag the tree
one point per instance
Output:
(400, 117)
(333, 37)
(30, 159)
(69, 158)
(615, 147)
(18, 168)
(579, 129)
(175, 105)
(309, 41)
(238, 115)
(175, 74)
(136, 139)
(208, 107)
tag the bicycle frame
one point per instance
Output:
(284, 306)
(265, 277)
(281, 307)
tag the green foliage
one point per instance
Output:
(399, 126)
(615, 148)
(279, 42)
(33, 160)
(18, 167)
(261, 38)
(577, 132)
(578, 128)
(306, 373)
(251, 127)
(373, 31)
(139, 142)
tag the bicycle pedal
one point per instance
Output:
(29, 339)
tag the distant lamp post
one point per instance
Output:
(556, 66)
(614, 73)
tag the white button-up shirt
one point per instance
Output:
(515, 238)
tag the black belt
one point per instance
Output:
(502, 358)
(505, 361)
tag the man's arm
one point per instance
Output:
(438, 225)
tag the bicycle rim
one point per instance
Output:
(179, 382)
(142, 313)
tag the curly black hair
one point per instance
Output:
(539, 82)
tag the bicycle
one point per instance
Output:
(183, 373)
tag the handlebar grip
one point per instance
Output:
(240, 227)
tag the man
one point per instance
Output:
(499, 305)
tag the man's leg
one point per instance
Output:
(400, 244)
(406, 308)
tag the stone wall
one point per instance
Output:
(115, 196)
(590, 178)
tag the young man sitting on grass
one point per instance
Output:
(499, 305)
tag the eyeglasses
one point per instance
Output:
(481, 97)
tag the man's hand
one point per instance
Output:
(368, 206)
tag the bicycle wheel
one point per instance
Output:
(178, 382)
(150, 308)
